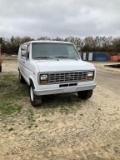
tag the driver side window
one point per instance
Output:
(28, 51)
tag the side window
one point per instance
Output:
(28, 51)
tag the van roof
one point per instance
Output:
(46, 41)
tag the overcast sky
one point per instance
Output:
(59, 18)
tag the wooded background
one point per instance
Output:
(87, 44)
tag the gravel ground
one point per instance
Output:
(89, 131)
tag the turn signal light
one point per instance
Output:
(43, 81)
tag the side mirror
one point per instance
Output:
(23, 53)
(23, 50)
(24, 47)
(78, 48)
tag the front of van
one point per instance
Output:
(61, 69)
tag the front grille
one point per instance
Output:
(67, 77)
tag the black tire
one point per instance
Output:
(0, 68)
(85, 94)
(21, 79)
(34, 99)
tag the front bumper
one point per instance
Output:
(58, 90)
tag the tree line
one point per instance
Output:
(87, 44)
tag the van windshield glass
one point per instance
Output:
(53, 51)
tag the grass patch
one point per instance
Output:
(11, 91)
(10, 129)
(7, 108)
(31, 116)
(30, 126)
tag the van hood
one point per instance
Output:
(63, 65)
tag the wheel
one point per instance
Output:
(85, 94)
(0, 68)
(34, 99)
(21, 79)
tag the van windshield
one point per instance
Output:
(54, 51)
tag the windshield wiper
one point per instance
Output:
(62, 57)
(43, 57)
(65, 57)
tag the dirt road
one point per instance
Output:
(64, 127)
(109, 80)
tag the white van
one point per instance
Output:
(54, 67)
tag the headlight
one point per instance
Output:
(90, 75)
(44, 79)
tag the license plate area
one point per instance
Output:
(68, 85)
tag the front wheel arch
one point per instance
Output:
(31, 83)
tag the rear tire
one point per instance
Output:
(34, 99)
(21, 79)
(85, 94)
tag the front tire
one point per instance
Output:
(34, 99)
(85, 94)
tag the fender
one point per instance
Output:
(33, 80)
